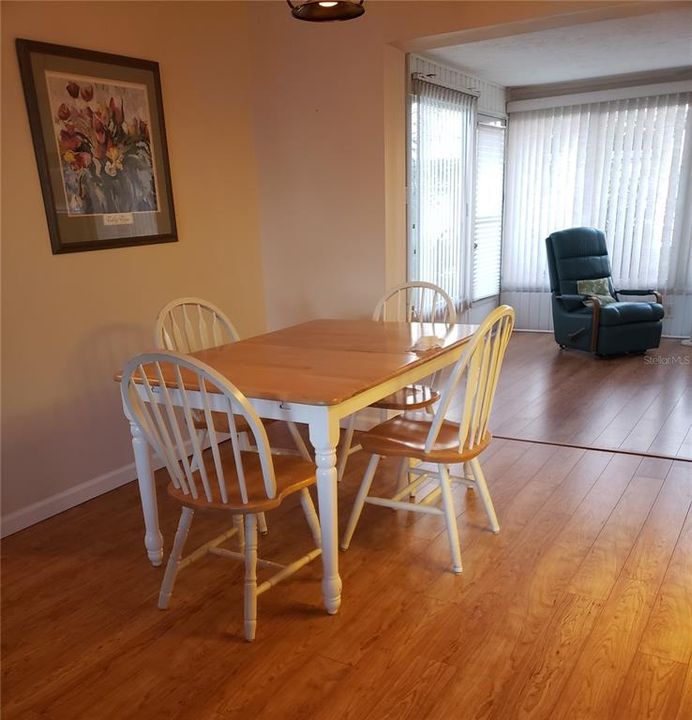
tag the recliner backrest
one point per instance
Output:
(577, 254)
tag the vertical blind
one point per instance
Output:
(441, 190)
(622, 166)
(487, 224)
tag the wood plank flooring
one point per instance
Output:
(580, 608)
(640, 404)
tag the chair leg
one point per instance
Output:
(360, 501)
(450, 518)
(250, 576)
(411, 477)
(239, 525)
(406, 477)
(299, 442)
(485, 495)
(345, 448)
(311, 516)
(465, 474)
(403, 479)
(262, 524)
(174, 558)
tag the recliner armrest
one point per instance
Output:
(655, 293)
(572, 302)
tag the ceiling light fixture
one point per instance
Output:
(320, 11)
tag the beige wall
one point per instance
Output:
(315, 112)
(329, 131)
(69, 321)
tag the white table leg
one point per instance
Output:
(324, 436)
(153, 540)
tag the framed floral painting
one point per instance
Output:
(100, 141)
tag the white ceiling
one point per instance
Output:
(608, 47)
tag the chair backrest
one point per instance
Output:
(416, 302)
(577, 254)
(480, 365)
(189, 324)
(158, 390)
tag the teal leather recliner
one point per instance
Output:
(605, 328)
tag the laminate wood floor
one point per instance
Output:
(580, 608)
(640, 404)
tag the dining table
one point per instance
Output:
(317, 373)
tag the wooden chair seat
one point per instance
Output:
(292, 474)
(405, 436)
(412, 397)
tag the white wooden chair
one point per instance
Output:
(440, 441)
(190, 324)
(409, 302)
(157, 391)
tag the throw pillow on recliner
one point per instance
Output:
(597, 287)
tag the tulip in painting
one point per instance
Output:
(102, 137)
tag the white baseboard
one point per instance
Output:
(23, 518)
(55, 504)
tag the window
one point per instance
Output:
(487, 221)
(621, 165)
(442, 128)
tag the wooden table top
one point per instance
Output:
(324, 362)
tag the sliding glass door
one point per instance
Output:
(442, 130)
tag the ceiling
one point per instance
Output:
(609, 47)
